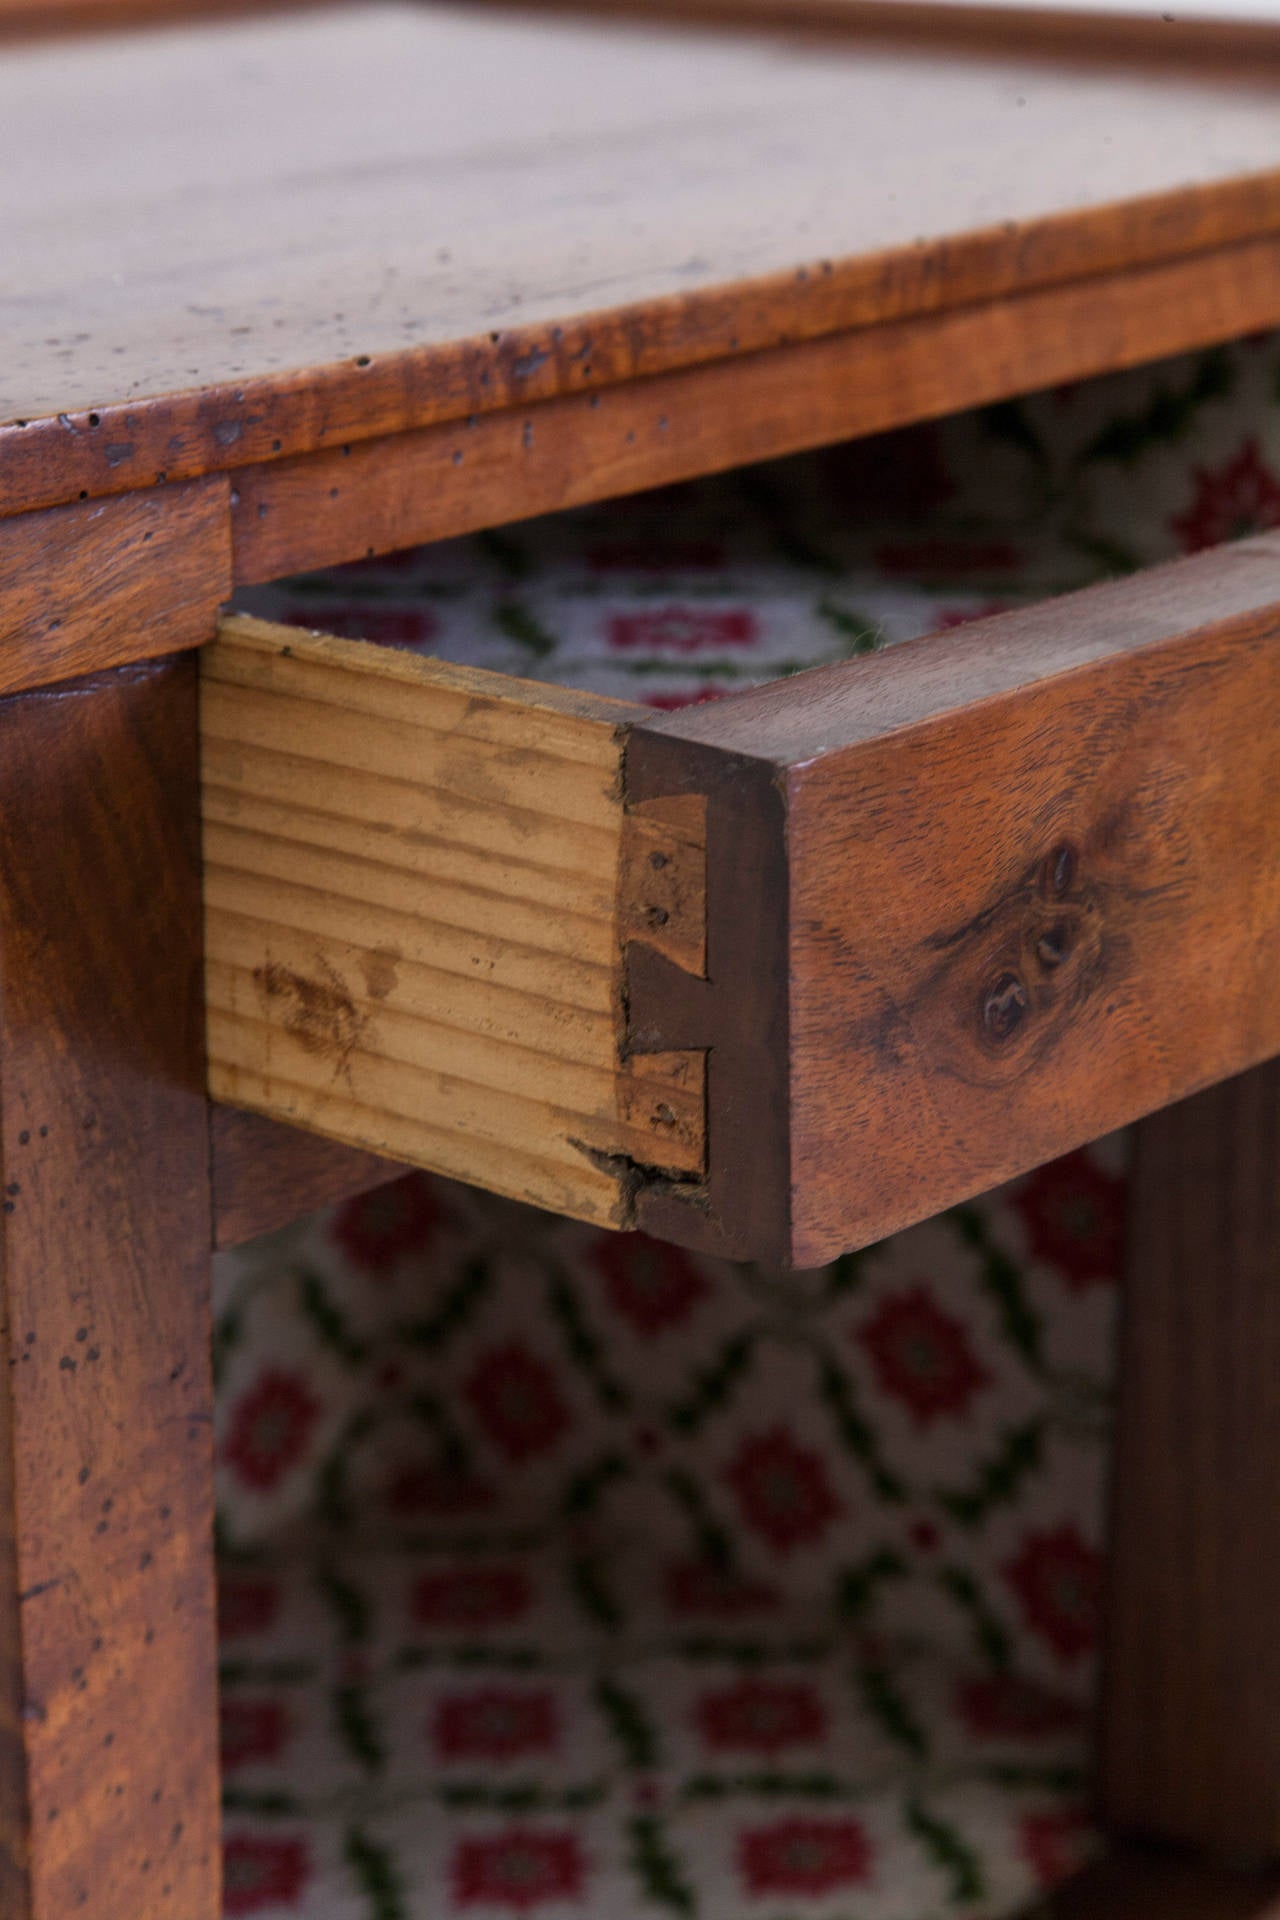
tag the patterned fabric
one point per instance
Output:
(566, 1576)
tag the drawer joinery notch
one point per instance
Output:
(733, 1007)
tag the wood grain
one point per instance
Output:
(108, 1712)
(412, 923)
(106, 582)
(427, 214)
(384, 494)
(1140, 1883)
(266, 1174)
(1032, 893)
(1191, 1743)
(31, 19)
(1084, 33)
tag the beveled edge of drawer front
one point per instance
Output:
(415, 915)
(973, 902)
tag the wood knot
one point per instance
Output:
(1010, 983)
(1053, 944)
(1060, 867)
(1004, 1006)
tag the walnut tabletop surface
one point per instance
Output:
(235, 242)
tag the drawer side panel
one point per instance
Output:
(413, 927)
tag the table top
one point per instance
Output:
(238, 240)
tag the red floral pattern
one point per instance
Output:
(1054, 1843)
(682, 630)
(804, 1857)
(1073, 1213)
(1004, 1706)
(496, 1724)
(654, 1287)
(783, 1490)
(1240, 497)
(408, 626)
(1057, 1576)
(271, 1428)
(251, 1731)
(518, 1870)
(950, 617)
(923, 1357)
(260, 1873)
(378, 1230)
(761, 1716)
(515, 1397)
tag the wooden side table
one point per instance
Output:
(285, 292)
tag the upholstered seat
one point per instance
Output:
(570, 1576)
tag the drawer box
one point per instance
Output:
(775, 975)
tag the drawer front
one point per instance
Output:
(1030, 891)
(773, 976)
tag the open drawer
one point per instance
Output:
(773, 975)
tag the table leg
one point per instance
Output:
(108, 1757)
(1191, 1723)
